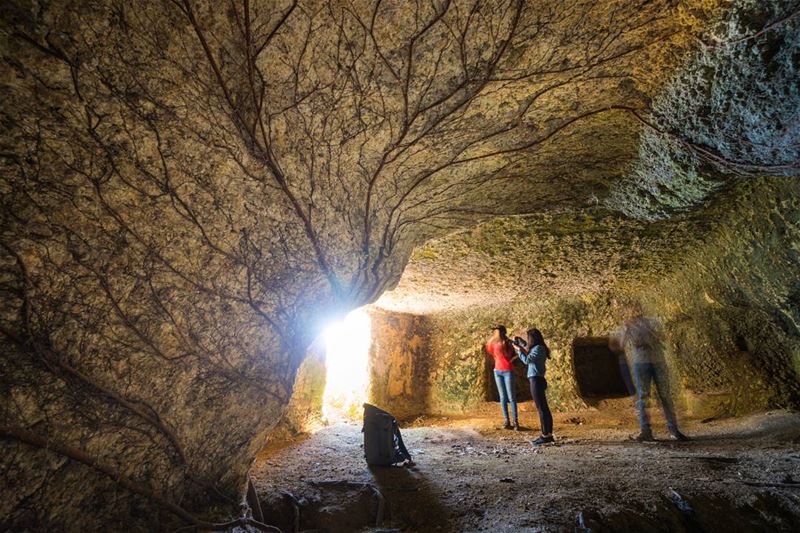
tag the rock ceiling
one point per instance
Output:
(538, 257)
(617, 223)
(292, 150)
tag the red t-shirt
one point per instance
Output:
(502, 352)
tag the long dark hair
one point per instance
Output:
(535, 338)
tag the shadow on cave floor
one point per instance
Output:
(738, 474)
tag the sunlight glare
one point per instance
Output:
(347, 344)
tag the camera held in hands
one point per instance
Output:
(519, 341)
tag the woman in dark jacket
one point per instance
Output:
(535, 356)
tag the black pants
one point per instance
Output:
(538, 385)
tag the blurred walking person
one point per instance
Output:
(641, 338)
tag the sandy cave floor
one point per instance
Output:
(738, 474)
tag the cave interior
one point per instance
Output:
(225, 226)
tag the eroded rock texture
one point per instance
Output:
(399, 363)
(189, 188)
(732, 304)
(727, 297)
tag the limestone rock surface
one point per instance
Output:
(191, 189)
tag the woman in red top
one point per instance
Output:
(499, 347)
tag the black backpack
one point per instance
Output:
(383, 444)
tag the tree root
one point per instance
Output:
(253, 501)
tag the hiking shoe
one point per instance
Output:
(645, 436)
(677, 435)
(516, 426)
(543, 440)
(507, 425)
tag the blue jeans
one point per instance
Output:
(643, 375)
(504, 379)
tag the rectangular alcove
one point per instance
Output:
(599, 372)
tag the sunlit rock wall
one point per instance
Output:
(399, 363)
(304, 411)
(729, 306)
(459, 373)
(397, 368)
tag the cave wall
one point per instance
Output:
(399, 363)
(435, 364)
(732, 110)
(145, 356)
(303, 412)
(729, 305)
(732, 307)
(458, 373)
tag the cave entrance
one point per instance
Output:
(347, 344)
(599, 372)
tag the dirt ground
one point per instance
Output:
(470, 475)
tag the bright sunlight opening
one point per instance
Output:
(347, 345)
